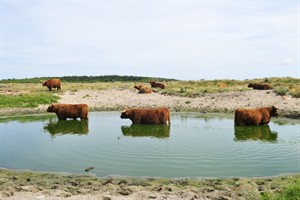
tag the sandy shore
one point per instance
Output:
(16, 185)
(103, 100)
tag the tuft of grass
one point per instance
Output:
(289, 192)
(295, 92)
(86, 96)
(281, 91)
(25, 100)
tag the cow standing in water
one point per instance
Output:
(147, 116)
(74, 111)
(53, 83)
(254, 116)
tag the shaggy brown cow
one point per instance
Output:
(143, 89)
(64, 111)
(254, 116)
(147, 116)
(157, 85)
(52, 83)
(260, 86)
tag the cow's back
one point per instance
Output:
(150, 116)
(64, 111)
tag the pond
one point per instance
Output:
(194, 145)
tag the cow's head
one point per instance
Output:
(250, 85)
(274, 111)
(45, 83)
(50, 108)
(138, 87)
(126, 114)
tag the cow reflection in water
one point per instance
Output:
(61, 127)
(263, 133)
(146, 130)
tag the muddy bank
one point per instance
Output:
(29, 185)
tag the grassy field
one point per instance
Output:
(31, 93)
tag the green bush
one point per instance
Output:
(282, 91)
(295, 92)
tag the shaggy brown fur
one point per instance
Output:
(260, 86)
(147, 116)
(143, 89)
(157, 85)
(53, 83)
(254, 116)
(64, 111)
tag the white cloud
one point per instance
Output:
(175, 39)
(286, 62)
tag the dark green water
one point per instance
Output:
(194, 145)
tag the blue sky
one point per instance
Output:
(187, 40)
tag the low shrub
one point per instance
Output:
(282, 91)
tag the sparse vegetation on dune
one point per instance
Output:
(31, 93)
(282, 86)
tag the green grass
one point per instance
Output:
(27, 100)
(288, 192)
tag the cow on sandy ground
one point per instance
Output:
(74, 111)
(143, 89)
(157, 85)
(147, 116)
(260, 86)
(53, 83)
(254, 116)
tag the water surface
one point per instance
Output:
(194, 145)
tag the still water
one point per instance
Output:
(194, 145)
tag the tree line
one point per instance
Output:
(89, 79)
